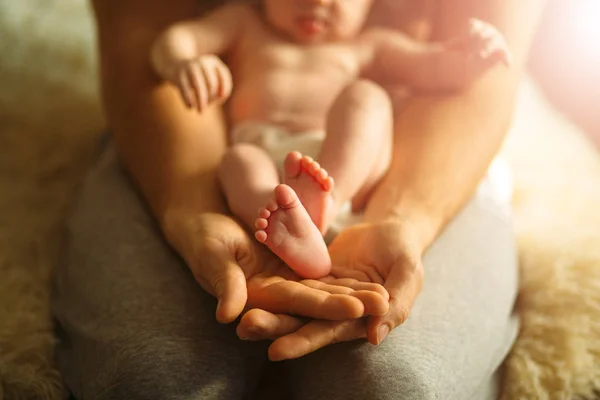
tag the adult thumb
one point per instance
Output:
(229, 286)
(404, 285)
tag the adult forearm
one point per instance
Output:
(443, 146)
(171, 152)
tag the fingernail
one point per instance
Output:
(382, 333)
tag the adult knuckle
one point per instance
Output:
(336, 334)
(402, 314)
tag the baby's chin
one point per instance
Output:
(314, 39)
(310, 40)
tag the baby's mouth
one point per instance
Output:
(311, 26)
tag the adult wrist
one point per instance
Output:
(421, 225)
(181, 204)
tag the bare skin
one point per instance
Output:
(173, 154)
(280, 56)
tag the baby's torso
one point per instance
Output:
(288, 84)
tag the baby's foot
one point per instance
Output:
(286, 228)
(313, 186)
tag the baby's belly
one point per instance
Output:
(297, 104)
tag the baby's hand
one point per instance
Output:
(460, 61)
(482, 43)
(203, 81)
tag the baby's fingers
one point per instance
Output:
(496, 50)
(185, 88)
(198, 83)
(225, 81)
(212, 80)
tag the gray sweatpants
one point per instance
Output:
(133, 324)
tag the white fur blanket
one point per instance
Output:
(49, 123)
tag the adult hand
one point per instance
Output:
(386, 253)
(241, 273)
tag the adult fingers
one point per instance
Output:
(373, 301)
(404, 284)
(316, 335)
(258, 324)
(356, 285)
(289, 297)
(222, 277)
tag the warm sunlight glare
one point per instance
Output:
(587, 18)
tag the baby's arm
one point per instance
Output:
(187, 54)
(397, 58)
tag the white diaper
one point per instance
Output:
(277, 141)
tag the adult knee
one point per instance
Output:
(170, 370)
(365, 372)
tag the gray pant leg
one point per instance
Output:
(460, 329)
(132, 322)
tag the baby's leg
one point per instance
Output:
(248, 177)
(357, 150)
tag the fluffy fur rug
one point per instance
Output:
(49, 123)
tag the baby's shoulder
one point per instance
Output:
(244, 11)
(372, 35)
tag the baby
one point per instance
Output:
(300, 95)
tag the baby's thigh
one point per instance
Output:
(458, 334)
(132, 322)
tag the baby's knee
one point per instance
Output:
(366, 94)
(237, 154)
(237, 158)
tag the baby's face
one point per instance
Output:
(315, 21)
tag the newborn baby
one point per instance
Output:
(297, 92)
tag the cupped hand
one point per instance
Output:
(386, 253)
(242, 274)
(203, 81)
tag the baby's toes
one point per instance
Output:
(321, 175)
(261, 236)
(307, 162)
(327, 184)
(314, 169)
(293, 164)
(264, 213)
(324, 179)
(271, 206)
(261, 224)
